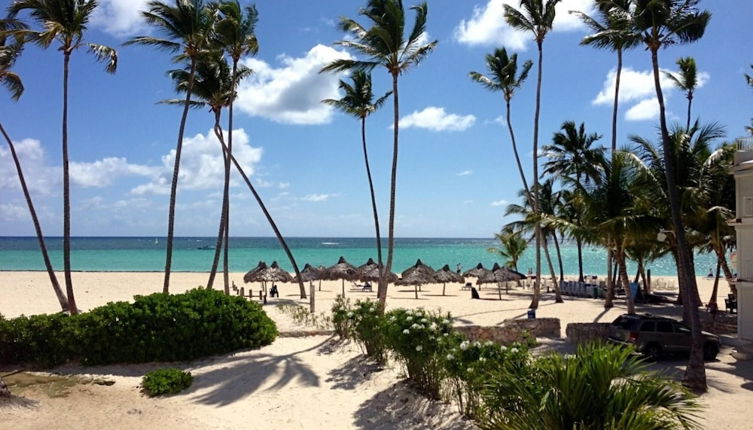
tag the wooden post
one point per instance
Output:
(311, 297)
(242, 292)
(261, 295)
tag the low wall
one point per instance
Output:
(512, 330)
(724, 323)
(586, 332)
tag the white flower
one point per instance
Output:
(450, 357)
(393, 319)
(477, 344)
(464, 345)
(433, 326)
(350, 314)
(503, 348)
(446, 334)
(419, 348)
(482, 359)
(569, 356)
(514, 350)
(406, 331)
(469, 370)
(489, 343)
(446, 321)
(409, 312)
(409, 318)
(415, 326)
(423, 320)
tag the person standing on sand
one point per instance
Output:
(459, 268)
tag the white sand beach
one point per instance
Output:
(307, 382)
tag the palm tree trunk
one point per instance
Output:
(715, 290)
(615, 108)
(720, 255)
(174, 184)
(695, 373)
(559, 255)
(221, 233)
(517, 157)
(557, 295)
(690, 103)
(226, 205)
(579, 245)
(537, 211)
(272, 223)
(67, 192)
(622, 267)
(371, 190)
(609, 300)
(37, 226)
(382, 290)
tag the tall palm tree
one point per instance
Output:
(663, 23)
(358, 101)
(235, 32)
(612, 31)
(511, 247)
(187, 28)
(503, 76)
(64, 21)
(537, 18)
(686, 81)
(385, 44)
(573, 155)
(9, 52)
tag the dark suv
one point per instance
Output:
(653, 335)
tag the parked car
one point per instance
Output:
(654, 336)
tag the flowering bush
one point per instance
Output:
(367, 323)
(470, 363)
(420, 340)
(340, 319)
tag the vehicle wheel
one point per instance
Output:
(709, 351)
(652, 351)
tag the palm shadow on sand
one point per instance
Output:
(352, 373)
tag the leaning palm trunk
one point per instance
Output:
(695, 373)
(557, 295)
(623, 276)
(271, 221)
(720, 255)
(174, 184)
(66, 192)
(536, 208)
(609, 301)
(226, 201)
(37, 227)
(559, 255)
(223, 220)
(715, 290)
(579, 245)
(371, 190)
(382, 290)
(615, 109)
(517, 157)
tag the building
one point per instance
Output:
(743, 223)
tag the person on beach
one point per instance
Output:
(273, 291)
(459, 268)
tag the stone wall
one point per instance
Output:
(585, 332)
(513, 330)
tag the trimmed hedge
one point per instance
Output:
(158, 327)
(166, 381)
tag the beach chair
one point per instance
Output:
(731, 304)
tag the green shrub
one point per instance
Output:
(158, 327)
(420, 340)
(340, 319)
(166, 381)
(45, 340)
(367, 328)
(469, 365)
(600, 387)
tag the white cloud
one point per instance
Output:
(465, 173)
(104, 172)
(436, 119)
(487, 25)
(644, 110)
(201, 165)
(638, 86)
(317, 197)
(120, 17)
(39, 175)
(13, 212)
(499, 203)
(292, 93)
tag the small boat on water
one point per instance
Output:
(205, 247)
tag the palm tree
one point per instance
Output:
(612, 31)
(9, 52)
(537, 19)
(235, 32)
(572, 154)
(358, 101)
(600, 387)
(511, 247)
(187, 27)
(385, 44)
(64, 21)
(686, 81)
(503, 76)
(663, 23)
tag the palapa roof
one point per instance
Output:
(372, 274)
(476, 271)
(341, 270)
(500, 274)
(311, 273)
(417, 277)
(272, 273)
(445, 275)
(368, 264)
(419, 266)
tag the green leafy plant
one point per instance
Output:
(367, 328)
(340, 319)
(166, 381)
(303, 316)
(44, 340)
(420, 339)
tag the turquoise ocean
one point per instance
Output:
(194, 254)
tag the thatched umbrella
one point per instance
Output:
(342, 270)
(252, 275)
(263, 273)
(310, 274)
(476, 271)
(420, 267)
(499, 275)
(367, 265)
(416, 277)
(371, 273)
(445, 275)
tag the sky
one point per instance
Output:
(456, 172)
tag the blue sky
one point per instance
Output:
(456, 171)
